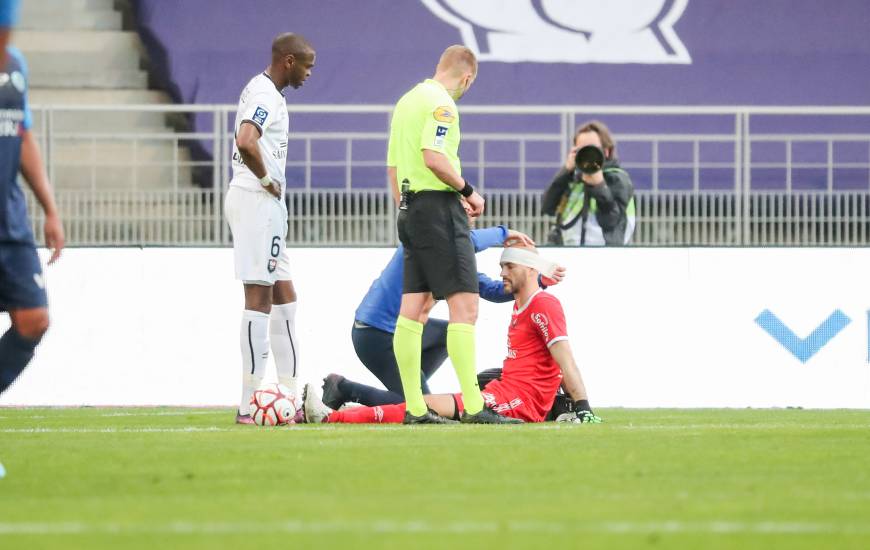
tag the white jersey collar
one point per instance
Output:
(517, 311)
(264, 73)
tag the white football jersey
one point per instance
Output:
(265, 107)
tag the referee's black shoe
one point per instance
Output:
(488, 416)
(430, 417)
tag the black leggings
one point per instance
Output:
(374, 347)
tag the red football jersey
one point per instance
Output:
(529, 369)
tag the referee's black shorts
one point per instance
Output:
(439, 254)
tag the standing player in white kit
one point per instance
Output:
(257, 214)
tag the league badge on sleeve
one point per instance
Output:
(260, 115)
(440, 134)
(444, 114)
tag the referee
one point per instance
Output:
(433, 227)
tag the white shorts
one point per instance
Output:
(258, 222)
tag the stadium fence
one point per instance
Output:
(702, 177)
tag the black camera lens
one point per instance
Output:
(589, 159)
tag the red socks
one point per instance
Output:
(382, 414)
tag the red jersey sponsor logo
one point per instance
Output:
(511, 352)
(541, 320)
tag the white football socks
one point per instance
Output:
(285, 347)
(254, 344)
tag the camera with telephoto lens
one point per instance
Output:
(589, 159)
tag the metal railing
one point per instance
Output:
(140, 175)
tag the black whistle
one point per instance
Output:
(406, 190)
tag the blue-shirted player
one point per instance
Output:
(375, 323)
(22, 289)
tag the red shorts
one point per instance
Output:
(505, 401)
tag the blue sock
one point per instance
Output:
(16, 352)
(367, 395)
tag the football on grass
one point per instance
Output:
(273, 405)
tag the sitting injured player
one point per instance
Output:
(375, 323)
(539, 359)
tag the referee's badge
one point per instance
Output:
(271, 265)
(444, 114)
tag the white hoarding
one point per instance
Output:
(649, 327)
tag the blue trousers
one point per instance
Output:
(374, 347)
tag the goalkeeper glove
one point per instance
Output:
(579, 417)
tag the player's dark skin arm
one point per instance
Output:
(32, 323)
(246, 141)
(260, 298)
(572, 382)
(35, 176)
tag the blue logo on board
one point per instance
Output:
(803, 348)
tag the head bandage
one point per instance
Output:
(522, 256)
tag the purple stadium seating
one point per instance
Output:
(734, 52)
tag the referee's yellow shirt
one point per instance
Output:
(425, 118)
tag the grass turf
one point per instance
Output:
(188, 478)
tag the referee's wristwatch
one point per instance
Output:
(467, 190)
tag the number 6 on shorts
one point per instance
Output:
(276, 246)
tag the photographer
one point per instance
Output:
(591, 196)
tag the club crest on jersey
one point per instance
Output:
(440, 133)
(272, 265)
(541, 320)
(260, 115)
(444, 114)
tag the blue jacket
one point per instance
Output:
(380, 307)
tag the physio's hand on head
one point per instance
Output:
(558, 277)
(515, 238)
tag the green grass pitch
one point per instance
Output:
(187, 478)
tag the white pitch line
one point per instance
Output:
(404, 527)
(417, 429)
(163, 413)
(107, 415)
(748, 426)
(113, 430)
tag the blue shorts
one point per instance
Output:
(21, 282)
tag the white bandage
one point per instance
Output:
(521, 256)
